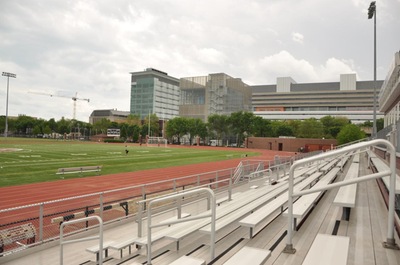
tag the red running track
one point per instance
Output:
(21, 195)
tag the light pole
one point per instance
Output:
(372, 13)
(8, 82)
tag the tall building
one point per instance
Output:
(154, 92)
(113, 115)
(288, 100)
(213, 94)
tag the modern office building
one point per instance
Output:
(109, 114)
(213, 94)
(154, 92)
(288, 100)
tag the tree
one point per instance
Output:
(261, 127)
(177, 127)
(24, 125)
(379, 124)
(333, 125)
(133, 120)
(53, 125)
(350, 133)
(310, 128)
(47, 130)
(63, 126)
(280, 128)
(36, 130)
(218, 124)
(101, 126)
(124, 131)
(154, 129)
(134, 132)
(284, 130)
(295, 125)
(240, 123)
(196, 127)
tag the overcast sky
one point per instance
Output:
(90, 47)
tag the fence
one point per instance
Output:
(110, 206)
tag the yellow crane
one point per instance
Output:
(74, 98)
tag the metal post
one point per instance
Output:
(289, 246)
(8, 84)
(390, 243)
(101, 205)
(374, 123)
(41, 221)
(372, 13)
(140, 219)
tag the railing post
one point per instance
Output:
(289, 246)
(390, 243)
(101, 205)
(216, 180)
(41, 208)
(179, 207)
(144, 196)
(139, 216)
(230, 190)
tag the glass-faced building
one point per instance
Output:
(154, 92)
(218, 93)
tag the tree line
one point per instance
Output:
(226, 129)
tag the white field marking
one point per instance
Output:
(9, 150)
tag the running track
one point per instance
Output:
(21, 195)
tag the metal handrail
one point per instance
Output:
(100, 237)
(212, 215)
(392, 172)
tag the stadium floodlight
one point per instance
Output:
(8, 83)
(372, 13)
(371, 10)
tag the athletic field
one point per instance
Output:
(30, 160)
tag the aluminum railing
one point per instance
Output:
(211, 215)
(99, 237)
(390, 243)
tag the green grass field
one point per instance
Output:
(24, 161)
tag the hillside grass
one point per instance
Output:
(24, 161)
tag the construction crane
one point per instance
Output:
(60, 96)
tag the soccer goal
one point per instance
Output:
(157, 142)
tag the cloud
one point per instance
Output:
(284, 64)
(297, 37)
(90, 46)
(333, 68)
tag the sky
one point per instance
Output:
(88, 48)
